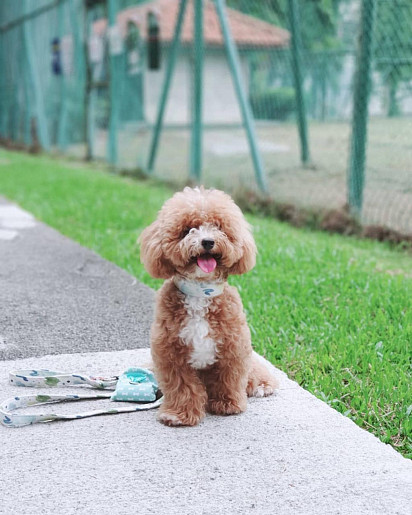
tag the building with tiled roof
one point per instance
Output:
(144, 85)
(247, 31)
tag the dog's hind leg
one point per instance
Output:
(261, 382)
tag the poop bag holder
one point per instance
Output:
(137, 385)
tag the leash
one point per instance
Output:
(137, 385)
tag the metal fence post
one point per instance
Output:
(27, 105)
(36, 84)
(234, 62)
(3, 82)
(174, 50)
(196, 144)
(62, 121)
(15, 110)
(298, 80)
(89, 91)
(114, 62)
(362, 83)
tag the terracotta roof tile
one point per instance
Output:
(246, 30)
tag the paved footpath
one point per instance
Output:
(62, 307)
(58, 297)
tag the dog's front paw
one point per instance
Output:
(224, 407)
(173, 419)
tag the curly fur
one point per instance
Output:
(201, 347)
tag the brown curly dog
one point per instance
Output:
(200, 340)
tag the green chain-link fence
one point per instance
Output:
(329, 85)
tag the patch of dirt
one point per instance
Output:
(334, 220)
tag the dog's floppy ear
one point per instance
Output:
(151, 253)
(248, 259)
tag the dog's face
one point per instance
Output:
(199, 234)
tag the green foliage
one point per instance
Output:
(321, 61)
(273, 104)
(318, 18)
(333, 312)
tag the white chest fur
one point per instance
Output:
(196, 332)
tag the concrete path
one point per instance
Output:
(57, 297)
(288, 454)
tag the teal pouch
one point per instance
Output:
(136, 385)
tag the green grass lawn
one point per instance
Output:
(333, 312)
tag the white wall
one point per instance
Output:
(219, 99)
(177, 105)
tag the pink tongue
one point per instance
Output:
(207, 264)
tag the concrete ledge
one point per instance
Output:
(288, 454)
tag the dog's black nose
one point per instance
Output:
(208, 244)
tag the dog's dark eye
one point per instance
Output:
(185, 232)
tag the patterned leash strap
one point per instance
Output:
(44, 378)
(48, 379)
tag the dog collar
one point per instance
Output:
(199, 289)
